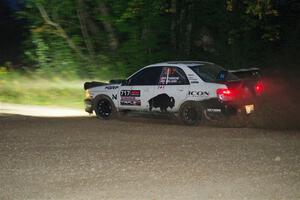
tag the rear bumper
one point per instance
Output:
(88, 103)
(215, 107)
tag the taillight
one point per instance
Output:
(259, 88)
(225, 94)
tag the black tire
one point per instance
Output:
(105, 109)
(190, 113)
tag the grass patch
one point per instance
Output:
(36, 91)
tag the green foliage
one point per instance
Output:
(113, 38)
(16, 87)
(41, 51)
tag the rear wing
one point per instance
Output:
(91, 84)
(251, 78)
(88, 85)
(251, 73)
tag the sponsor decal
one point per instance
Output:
(132, 93)
(198, 93)
(114, 97)
(192, 77)
(170, 80)
(111, 87)
(214, 110)
(161, 87)
(162, 101)
(130, 97)
(135, 93)
(130, 101)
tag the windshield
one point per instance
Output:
(211, 73)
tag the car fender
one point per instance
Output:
(203, 91)
(111, 91)
(103, 96)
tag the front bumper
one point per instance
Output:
(88, 103)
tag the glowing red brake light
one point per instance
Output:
(259, 88)
(224, 91)
(225, 94)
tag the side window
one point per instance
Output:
(173, 76)
(147, 76)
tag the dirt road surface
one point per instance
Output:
(141, 158)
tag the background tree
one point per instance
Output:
(115, 37)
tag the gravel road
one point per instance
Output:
(151, 159)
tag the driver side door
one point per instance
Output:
(139, 88)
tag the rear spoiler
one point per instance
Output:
(88, 85)
(117, 81)
(249, 73)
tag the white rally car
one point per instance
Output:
(191, 90)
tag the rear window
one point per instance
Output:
(212, 73)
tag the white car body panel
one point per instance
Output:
(137, 97)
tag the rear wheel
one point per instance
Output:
(190, 114)
(105, 109)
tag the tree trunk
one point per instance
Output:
(174, 24)
(113, 40)
(60, 31)
(189, 27)
(82, 16)
(94, 29)
(182, 28)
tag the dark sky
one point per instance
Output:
(11, 31)
(13, 4)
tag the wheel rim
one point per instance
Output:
(104, 108)
(190, 114)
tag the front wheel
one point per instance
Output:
(105, 109)
(190, 114)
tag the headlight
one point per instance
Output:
(87, 94)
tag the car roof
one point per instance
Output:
(182, 63)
